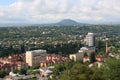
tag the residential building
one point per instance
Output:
(13, 62)
(34, 57)
(87, 50)
(90, 39)
(52, 59)
(86, 59)
(76, 56)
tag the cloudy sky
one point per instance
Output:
(47, 11)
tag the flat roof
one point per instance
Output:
(38, 51)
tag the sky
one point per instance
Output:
(6, 2)
(48, 11)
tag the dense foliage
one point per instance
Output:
(112, 69)
(3, 73)
(79, 71)
(76, 71)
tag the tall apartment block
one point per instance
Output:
(90, 39)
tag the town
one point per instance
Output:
(39, 64)
(59, 39)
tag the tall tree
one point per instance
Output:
(92, 57)
(23, 48)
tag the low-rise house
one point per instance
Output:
(86, 59)
(52, 59)
(45, 63)
(8, 67)
(84, 51)
(76, 56)
(87, 50)
(13, 62)
(99, 58)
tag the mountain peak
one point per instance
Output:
(67, 22)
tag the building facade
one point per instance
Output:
(76, 56)
(34, 57)
(52, 59)
(13, 62)
(90, 39)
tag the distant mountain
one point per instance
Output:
(64, 22)
(67, 22)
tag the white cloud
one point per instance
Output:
(39, 11)
(1, 14)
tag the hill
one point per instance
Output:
(67, 22)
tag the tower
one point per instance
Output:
(107, 49)
(90, 39)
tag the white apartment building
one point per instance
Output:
(90, 39)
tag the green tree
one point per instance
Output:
(34, 78)
(15, 71)
(85, 54)
(23, 48)
(34, 72)
(79, 71)
(23, 71)
(59, 68)
(92, 57)
(112, 69)
(3, 73)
